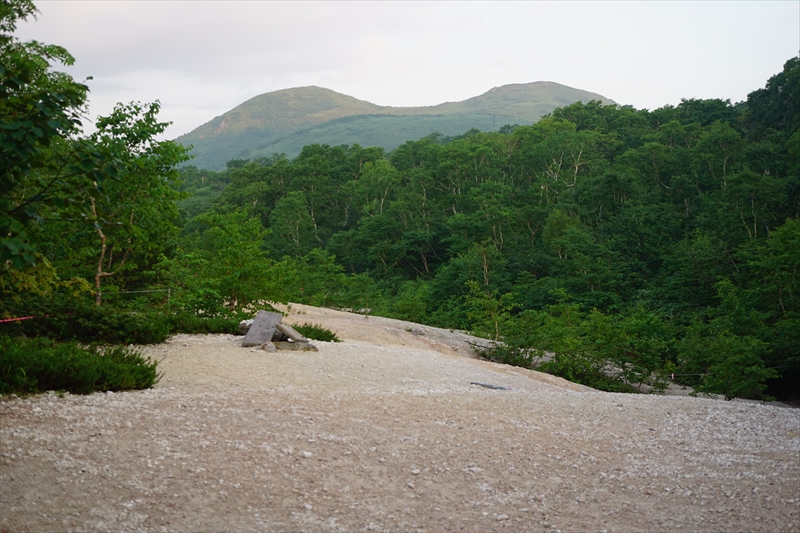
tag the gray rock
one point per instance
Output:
(262, 330)
(296, 346)
(244, 326)
(290, 333)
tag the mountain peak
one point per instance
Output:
(281, 120)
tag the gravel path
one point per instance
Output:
(385, 432)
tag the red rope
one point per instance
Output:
(19, 319)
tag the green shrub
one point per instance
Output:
(88, 323)
(506, 354)
(317, 333)
(38, 364)
(581, 370)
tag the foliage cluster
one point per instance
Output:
(39, 364)
(611, 352)
(71, 319)
(317, 333)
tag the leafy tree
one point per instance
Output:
(292, 226)
(634, 343)
(411, 302)
(731, 365)
(573, 357)
(579, 261)
(488, 313)
(138, 210)
(42, 161)
(777, 105)
(201, 187)
(222, 267)
(774, 289)
(375, 188)
(58, 183)
(726, 349)
(692, 267)
(316, 279)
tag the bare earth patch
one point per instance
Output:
(385, 432)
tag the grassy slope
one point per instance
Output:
(265, 118)
(286, 120)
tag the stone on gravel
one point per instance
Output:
(290, 333)
(296, 346)
(262, 330)
(244, 325)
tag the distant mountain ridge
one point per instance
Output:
(286, 120)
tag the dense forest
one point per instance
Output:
(636, 246)
(657, 243)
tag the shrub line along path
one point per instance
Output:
(387, 432)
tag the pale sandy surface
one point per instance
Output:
(384, 432)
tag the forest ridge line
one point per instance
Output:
(284, 121)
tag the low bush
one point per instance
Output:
(317, 333)
(113, 325)
(581, 371)
(576, 367)
(510, 355)
(88, 323)
(39, 364)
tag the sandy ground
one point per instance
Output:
(385, 432)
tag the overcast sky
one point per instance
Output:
(201, 59)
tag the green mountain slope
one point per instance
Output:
(386, 131)
(284, 121)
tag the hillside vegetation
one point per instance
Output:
(284, 121)
(663, 244)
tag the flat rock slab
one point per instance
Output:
(263, 329)
(291, 333)
(297, 346)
